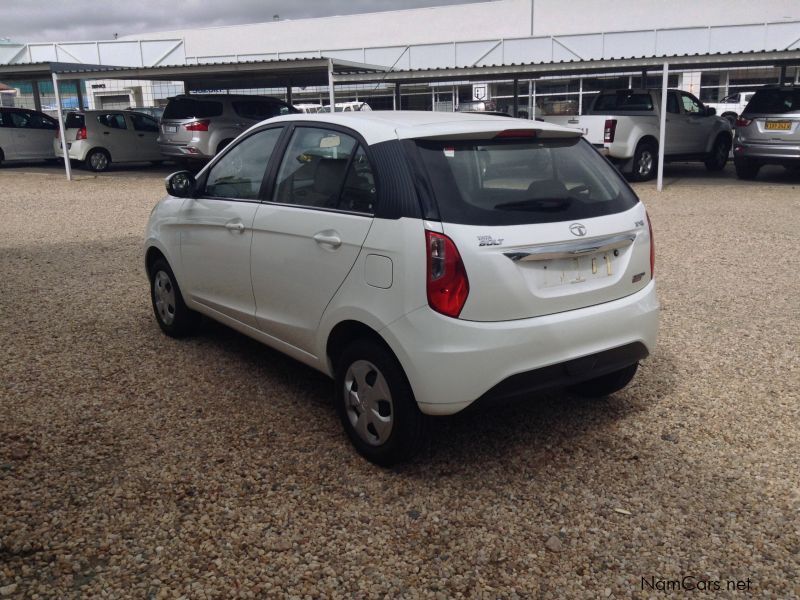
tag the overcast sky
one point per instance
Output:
(72, 20)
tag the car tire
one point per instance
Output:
(731, 117)
(605, 385)
(645, 162)
(747, 169)
(376, 405)
(718, 157)
(97, 160)
(173, 316)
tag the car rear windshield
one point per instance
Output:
(512, 182)
(260, 109)
(74, 121)
(188, 108)
(774, 101)
(627, 102)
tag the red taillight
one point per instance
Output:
(516, 133)
(448, 285)
(81, 135)
(652, 248)
(197, 125)
(609, 130)
(742, 122)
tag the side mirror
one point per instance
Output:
(710, 111)
(181, 184)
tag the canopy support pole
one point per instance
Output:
(61, 129)
(662, 130)
(331, 93)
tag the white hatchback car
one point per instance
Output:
(426, 261)
(99, 137)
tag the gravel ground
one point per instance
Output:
(133, 465)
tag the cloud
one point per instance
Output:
(76, 20)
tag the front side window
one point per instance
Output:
(239, 173)
(516, 182)
(690, 104)
(325, 169)
(112, 121)
(144, 123)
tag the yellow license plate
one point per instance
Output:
(778, 125)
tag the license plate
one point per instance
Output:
(778, 125)
(568, 271)
(170, 129)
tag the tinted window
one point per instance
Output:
(189, 108)
(143, 122)
(359, 193)
(112, 121)
(623, 102)
(259, 110)
(29, 120)
(314, 168)
(672, 104)
(239, 173)
(522, 182)
(74, 121)
(775, 101)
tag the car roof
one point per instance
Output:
(380, 126)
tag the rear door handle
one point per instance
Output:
(328, 238)
(237, 227)
(106, 133)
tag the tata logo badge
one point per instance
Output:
(578, 229)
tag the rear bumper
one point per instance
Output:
(183, 151)
(77, 149)
(767, 153)
(451, 363)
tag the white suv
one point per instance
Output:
(426, 261)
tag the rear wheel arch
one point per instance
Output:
(345, 333)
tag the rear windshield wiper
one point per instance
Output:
(544, 204)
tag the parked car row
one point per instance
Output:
(624, 125)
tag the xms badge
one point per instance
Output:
(487, 240)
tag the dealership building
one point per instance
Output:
(428, 51)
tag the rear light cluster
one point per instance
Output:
(447, 282)
(197, 125)
(81, 135)
(652, 248)
(742, 122)
(610, 130)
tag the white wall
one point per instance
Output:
(478, 21)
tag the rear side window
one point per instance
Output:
(189, 108)
(112, 121)
(522, 182)
(74, 121)
(775, 101)
(623, 102)
(258, 110)
(325, 169)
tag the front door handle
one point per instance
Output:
(237, 227)
(328, 238)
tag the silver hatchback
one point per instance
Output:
(768, 131)
(196, 127)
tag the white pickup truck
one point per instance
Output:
(731, 106)
(624, 126)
